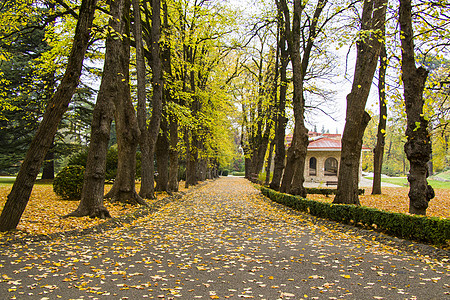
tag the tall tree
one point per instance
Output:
(171, 102)
(381, 134)
(21, 190)
(293, 177)
(148, 183)
(368, 48)
(281, 120)
(144, 140)
(162, 152)
(418, 145)
(91, 203)
(123, 189)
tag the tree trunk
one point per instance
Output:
(280, 132)
(48, 171)
(42, 141)
(293, 175)
(368, 49)
(269, 162)
(418, 145)
(173, 154)
(192, 137)
(144, 140)
(127, 127)
(91, 203)
(191, 158)
(173, 122)
(162, 157)
(148, 186)
(379, 148)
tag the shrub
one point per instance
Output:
(419, 228)
(327, 192)
(224, 172)
(112, 157)
(238, 173)
(68, 183)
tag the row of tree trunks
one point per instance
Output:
(91, 203)
(368, 49)
(123, 189)
(281, 120)
(42, 141)
(148, 183)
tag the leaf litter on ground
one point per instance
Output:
(395, 199)
(44, 211)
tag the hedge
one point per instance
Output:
(419, 228)
(327, 192)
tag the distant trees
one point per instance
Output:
(20, 193)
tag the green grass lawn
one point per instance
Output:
(6, 180)
(444, 175)
(402, 181)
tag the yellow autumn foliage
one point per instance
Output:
(45, 209)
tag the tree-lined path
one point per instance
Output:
(221, 240)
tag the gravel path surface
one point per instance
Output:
(223, 240)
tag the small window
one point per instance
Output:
(312, 166)
(331, 167)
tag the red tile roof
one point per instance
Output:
(323, 142)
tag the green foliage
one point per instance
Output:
(68, 183)
(112, 157)
(423, 229)
(238, 173)
(403, 181)
(327, 192)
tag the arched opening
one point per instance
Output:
(331, 167)
(312, 166)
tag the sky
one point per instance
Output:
(341, 85)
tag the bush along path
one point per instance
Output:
(223, 240)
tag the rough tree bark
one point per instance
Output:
(293, 177)
(162, 156)
(124, 188)
(48, 171)
(42, 141)
(379, 148)
(148, 186)
(173, 154)
(270, 115)
(368, 49)
(173, 121)
(91, 203)
(418, 145)
(280, 132)
(269, 162)
(144, 140)
(191, 139)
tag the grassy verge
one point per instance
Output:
(419, 228)
(402, 181)
(4, 180)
